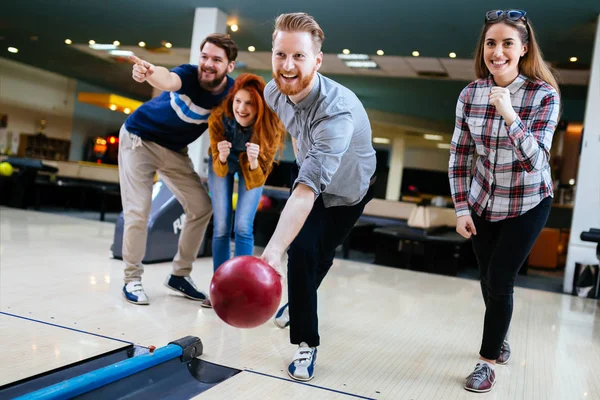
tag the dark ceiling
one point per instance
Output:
(434, 27)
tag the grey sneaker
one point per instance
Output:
(481, 380)
(504, 354)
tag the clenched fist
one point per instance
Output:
(223, 147)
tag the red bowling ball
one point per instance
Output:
(245, 292)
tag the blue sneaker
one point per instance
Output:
(282, 318)
(185, 285)
(134, 293)
(302, 367)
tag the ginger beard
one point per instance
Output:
(292, 86)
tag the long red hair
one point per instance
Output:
(268, 131)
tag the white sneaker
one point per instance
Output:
(134, 293)
(302, 367)
(282, 318)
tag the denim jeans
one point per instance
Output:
(221, 192)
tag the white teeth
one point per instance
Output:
(289, 76)
(499, 62)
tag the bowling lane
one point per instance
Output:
(263, 387)
(39, 250)
(30, 348)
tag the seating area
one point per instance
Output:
(398, 234)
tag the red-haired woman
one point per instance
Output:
(245, 135)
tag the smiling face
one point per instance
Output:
(295, 63)
(502, 51)
(213, 66)
(244, 110)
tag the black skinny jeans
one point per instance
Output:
(501, 249)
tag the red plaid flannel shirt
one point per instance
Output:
(512, 173)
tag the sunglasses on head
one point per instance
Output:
(513, 15)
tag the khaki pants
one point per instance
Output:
(138, 162)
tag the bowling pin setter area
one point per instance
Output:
(386, 333)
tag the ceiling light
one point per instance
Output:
(113, 107)
(353, 56)
(168, 45)
(234, 28)
(380, 52)
(106, 100)
(346, 51)
(452, 55)
(68, 41)
(251, 49)
(13, 50)
(433, 137)
(127, 111)
(572, 182)
(117, 43)
(573, 59)
(361, 64)
(381, 140)
(443, 146)
(142, 44)
(91, 42)
(121, 53)
(100, 46)
(416, 53)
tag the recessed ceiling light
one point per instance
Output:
(452, 55)
(113, 107)
(101, 46)
(13, 50)
(117, 43)
(416, 53)
(443, 146)
(573, 59)
(92, 42)
(361, 64)
(127, 111)
(121, 53)
(68, 41)
(251, 48)
(433, 137)
(346, 51)
(168, 45)
(380, 52)
(234, 28)
(142, 44)
(381, 140)
(353, 56)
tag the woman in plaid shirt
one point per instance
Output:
(508, 116)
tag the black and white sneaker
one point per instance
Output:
(185, 285)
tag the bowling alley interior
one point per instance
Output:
(400, 312)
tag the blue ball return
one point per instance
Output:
(169, 372)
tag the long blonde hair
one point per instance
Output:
(532, 64)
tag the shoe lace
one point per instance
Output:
(481, 373)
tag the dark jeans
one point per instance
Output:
(309, 258)
(501, 249)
